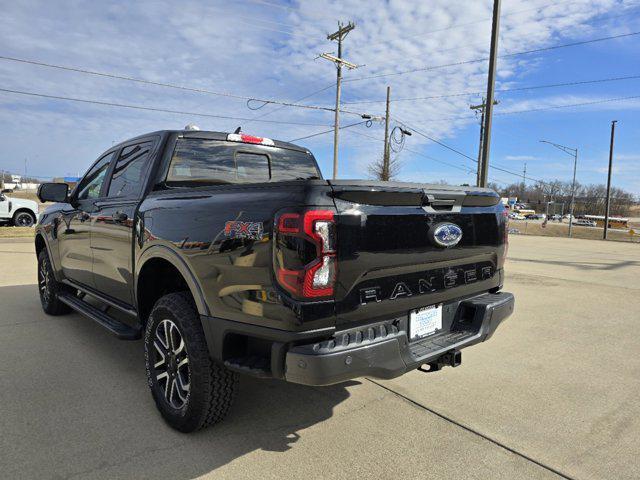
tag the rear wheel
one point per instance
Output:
(24, 219)
(49, 287)
(190, 390)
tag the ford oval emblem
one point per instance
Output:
(446, 234)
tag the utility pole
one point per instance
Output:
(606, 214)
(339, 36)
(493, 60)
(386, 154)
(481, 108)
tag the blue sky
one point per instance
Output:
(268, 49)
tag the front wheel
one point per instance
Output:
(190, 390)
(49, 287)
(24, 219)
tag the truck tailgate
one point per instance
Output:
(389, 258)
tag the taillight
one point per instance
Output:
(505, 238)
(305, 253)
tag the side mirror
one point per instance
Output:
(53, 192)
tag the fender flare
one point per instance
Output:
(57, 271)
(166, 253)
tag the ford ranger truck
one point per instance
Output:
(229, 254)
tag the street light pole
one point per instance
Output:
(573, 190)
(574, 153)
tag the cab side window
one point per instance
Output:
(91, 184)
(130, 170)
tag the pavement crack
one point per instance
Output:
(475, 432)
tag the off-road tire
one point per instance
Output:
(212, 387)
(23, 218)
(49, 287)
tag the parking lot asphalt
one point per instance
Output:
(553, 394)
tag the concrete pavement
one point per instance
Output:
(554, 393)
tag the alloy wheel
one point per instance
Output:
(24, 220)
(44, 281)
(171, 364)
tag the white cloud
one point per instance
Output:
(241, 48)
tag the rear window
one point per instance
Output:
(215, 161)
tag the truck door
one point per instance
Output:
(4, 207)
(74, 229)
(114, 221)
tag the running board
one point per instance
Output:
(118, 328)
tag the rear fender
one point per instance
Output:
(166, 253)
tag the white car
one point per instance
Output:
(18, 211)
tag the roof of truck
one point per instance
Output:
(210, 135)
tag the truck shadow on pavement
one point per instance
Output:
(77, 404)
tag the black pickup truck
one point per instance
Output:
(229, 253)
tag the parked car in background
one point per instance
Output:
(19, 212)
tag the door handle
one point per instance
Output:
(119, 216)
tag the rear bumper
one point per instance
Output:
(383, 350)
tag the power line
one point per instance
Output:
(540, 109)
(460, 167)
(296, 10)
(295, 101)
(169, 85)
(429, 157)
(460, 25)
(152, 109)
(477, 60)
(503, 90)
(448, 147)
(536, 21)
(328, 131)
(582, 104)
(495, 167)
(293, 34)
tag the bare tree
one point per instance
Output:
(376, 169)
(589, 199)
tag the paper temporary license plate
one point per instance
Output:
(425, 321)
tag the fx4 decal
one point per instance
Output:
(250, 230)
